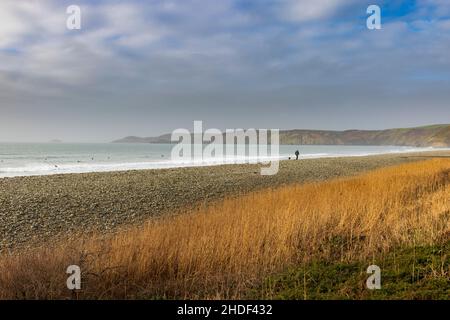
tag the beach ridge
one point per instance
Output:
(38, 208)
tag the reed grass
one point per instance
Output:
(223, 249)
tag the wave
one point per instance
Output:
(45, 168)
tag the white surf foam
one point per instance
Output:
(53, 167)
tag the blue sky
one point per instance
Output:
(149, 67)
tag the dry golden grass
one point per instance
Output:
(222, 250)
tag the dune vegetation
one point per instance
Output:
(228, 249)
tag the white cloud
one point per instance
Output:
(197, 45)
(11, 26)
(22, 19)
(309, 10)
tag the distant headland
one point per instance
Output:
(426, 136)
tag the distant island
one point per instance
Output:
(55, 141)
(426, 136)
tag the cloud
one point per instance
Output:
(28, 19)
(436, 8)
(139, 60)
(310, 10)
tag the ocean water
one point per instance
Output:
(27, 159)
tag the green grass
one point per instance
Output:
(412, 273)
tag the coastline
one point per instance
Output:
(36, 209)
(94, 158)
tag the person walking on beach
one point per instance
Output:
(297, 153)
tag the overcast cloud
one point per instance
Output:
(148, 67)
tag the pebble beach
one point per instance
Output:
(41, 208)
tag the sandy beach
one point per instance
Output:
(36, 209)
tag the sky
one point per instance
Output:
(146, 68)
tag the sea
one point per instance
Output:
(30, 159)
